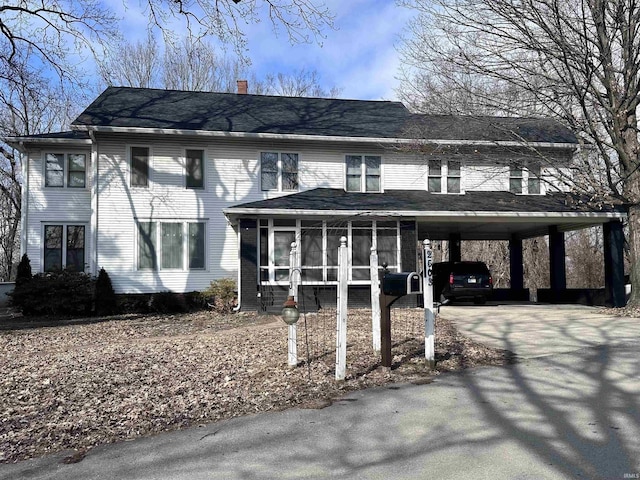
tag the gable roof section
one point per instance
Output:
(232, 113)
(121, 108)
(412, 202)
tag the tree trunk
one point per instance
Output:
(634, 247)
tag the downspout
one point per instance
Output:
(236, 309)
(24, 202)
(94, 203)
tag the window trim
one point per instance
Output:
(279, 170)
(363, 172)
(65, 168)
(64, 248)
(525, 177)
(149, 165)
(158, 244)
(444, 176)
(203, 168)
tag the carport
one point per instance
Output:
(486, 215)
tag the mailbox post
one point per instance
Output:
(394, 286)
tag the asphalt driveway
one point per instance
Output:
(569, 409)
(533, 330)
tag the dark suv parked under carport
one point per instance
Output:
(462, 280)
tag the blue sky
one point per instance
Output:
(360, 56)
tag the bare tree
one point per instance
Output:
(132, 64)
(576, 60)
(300, 83)
(29, 104)
(53, 32)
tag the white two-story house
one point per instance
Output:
(169, 190)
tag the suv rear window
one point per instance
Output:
(471, 267)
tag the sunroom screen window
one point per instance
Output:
(311, 253)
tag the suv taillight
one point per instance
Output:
(451, 279)
(490, 280)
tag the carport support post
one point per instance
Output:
(557, 271)
(429, 316)
(375, 300)
(614, 264)
(341, 327)
(516, 263)
(455, 251)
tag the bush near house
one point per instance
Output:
(63, 293)
(106, 302)
(221, 295)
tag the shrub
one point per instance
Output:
(24, 270)
(106, 303)
(168, 302)
(62, 293)
(221, 295)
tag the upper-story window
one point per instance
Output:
(363, 173)
(449, 171)
(523, 180)
(194, 168)
(75, 166)
(139, 166)
(279, 171)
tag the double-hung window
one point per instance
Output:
(363, 173)
(435, 176)
(453, 176)
(533, 180)
(194, 168)
(444, 175)
(279, 171)
(74, 164)
(139, 166)
(171, 245)
(64, 247)
(515, 178)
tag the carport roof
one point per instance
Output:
(473, 215)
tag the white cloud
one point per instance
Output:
(360, 56)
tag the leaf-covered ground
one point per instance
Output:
(78, 385)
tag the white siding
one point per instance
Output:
(232, 177)
(54, 205)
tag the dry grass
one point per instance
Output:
(75, 386)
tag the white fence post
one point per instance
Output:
(294, 281)
(429, 316)
(375, 300)
(341, 329)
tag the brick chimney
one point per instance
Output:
(243, 86)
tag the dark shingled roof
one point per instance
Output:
(327, 199)
(229, 112)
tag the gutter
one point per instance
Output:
(320, 138)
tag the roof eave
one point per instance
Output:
(318, 138)
(461, 215)
(20, 143)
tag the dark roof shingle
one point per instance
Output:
(328, 199)
(254, 114)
